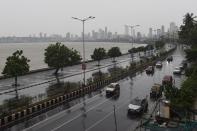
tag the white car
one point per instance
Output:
(138, 106)
(112, 89)
(159, 64)
(177, 70)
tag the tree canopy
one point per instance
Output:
(138, 49)
(188, 31)
(149, 47)
(184, 97)
(16, 65)
(58, 55)
(133, 50)
(159, 44)
(114, 52)
(98, 54)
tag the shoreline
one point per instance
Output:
(47, 69)
(35, 51)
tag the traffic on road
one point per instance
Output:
(99, 111)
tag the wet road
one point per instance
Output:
(71, 74)
(36, 84)
(96, 114)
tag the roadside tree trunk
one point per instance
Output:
(15, 86)
(15, 81)
(57, 78)
(98, 62)
(114, 59)
(56, 71)
(100, 74)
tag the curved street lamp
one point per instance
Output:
(83, 63)
(132, 41)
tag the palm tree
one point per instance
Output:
(189, 23)
(189, 20)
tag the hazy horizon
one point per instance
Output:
(25, 17)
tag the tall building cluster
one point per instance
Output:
(103, 34)
(100, 34)
(171, 32)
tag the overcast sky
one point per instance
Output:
(24, 17)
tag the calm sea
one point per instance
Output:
(35, 51)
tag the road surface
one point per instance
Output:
(95, 112)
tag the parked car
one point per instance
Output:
(112, 89)
(138, 106)
(167, 80)
(183, 65)
(177, 70)
(156, 91)
(170, 58)
(159, 64)
(150, 70)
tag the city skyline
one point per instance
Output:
(54, 17)
(105, 31)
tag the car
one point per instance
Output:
(170, 58)
(177, 70)
(138, 106)
(159, 64)
(150, 70)
(167, 80)
(112, 89)
(183, 65)
(156, 91)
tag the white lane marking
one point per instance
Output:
(86, 112)
(66, 109)
(105, 117)
(79, 115)
(60, 113)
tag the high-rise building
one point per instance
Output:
(162, 30)
(94, 35)
(45, 35)
(109, 35)
(139, 35)
(126, 29)
(115, 35)
(173, 27)
(158, 33)
(150, 33)
(133, 33)
(173, 31)
(105, 32)
(40, 34)
(71, 36)
(68, 36)
(101, 34)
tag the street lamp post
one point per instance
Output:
(132, 41)
(155, 35)
(156, 38)
(83, 63)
